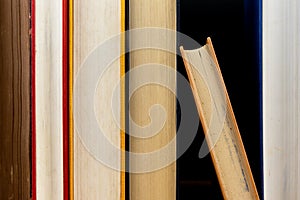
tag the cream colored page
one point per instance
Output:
(227, 150)
(160, 183)
(95, 21)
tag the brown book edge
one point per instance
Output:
(15, 100)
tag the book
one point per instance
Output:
(95, 23)
(219, 124)
(15, 158)
(47, 100)
(281, 100)
(240, 20)
(50, 109)
(150, 178)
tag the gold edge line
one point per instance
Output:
(122, 100)
(71, 134)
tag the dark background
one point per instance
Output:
(235, 29)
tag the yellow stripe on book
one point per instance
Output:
(71, 134)
(122, 76)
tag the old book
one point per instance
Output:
(15, 100)
(97, 25)
(47, 100)
(150, 177)
(64, 163)
(219, 124)
(281, 99)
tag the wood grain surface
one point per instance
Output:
(15, 99)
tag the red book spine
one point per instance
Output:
(65, 97)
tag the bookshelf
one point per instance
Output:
(264, 96)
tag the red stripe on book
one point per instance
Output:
(33, 131)
(65, 97)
